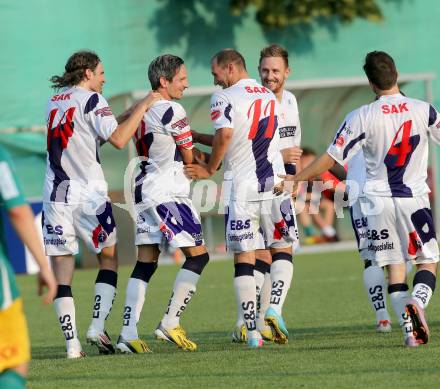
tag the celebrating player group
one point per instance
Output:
(256, 141)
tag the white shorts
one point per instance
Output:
(401, 229)
(253, 225)
(176, 220)
(359, 221)
(63, 224)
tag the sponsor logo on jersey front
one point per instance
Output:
(287, 131)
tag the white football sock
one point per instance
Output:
(183, 290)
(246, 297)
(422, 293)
(264, 302)
(281, 272)
(134, 302)
(398, 302)
(259, 281)
(104, 297)
(65, 310)
(375, 285)
(240, 320)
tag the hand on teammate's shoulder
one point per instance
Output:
(151, 98)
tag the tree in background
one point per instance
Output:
(283, 13)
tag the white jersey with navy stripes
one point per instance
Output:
(356, 175)
(163, 131)
(253, 159)
(290, 129)
(77, 120)
(393, 133)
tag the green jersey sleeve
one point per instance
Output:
(11, 194)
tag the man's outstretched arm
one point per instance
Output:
(317, 167)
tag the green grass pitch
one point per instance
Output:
(332, 339)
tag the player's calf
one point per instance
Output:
(134, 300)
(424, 286)
(105, 293)
(399, 296)
(375, 286)
(65, 310)
(184, 289)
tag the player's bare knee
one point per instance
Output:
(245, 257)
(431, 267)
(264, 256)
(148, 253)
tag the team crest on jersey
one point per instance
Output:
(102, 236)
(340, 141)
(415, 243)
(281, 229)
(105, 111)
(215, 114)
(168, 233)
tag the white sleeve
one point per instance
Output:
(348, 139)
(434, 124)
(290, 131)
(178, 127)
(222, 111)
(100, 116)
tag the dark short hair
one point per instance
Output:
(225, 56)
(275, 51)
(75, 69)
(380, 69)
(166, 65)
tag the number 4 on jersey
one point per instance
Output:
(405, 147)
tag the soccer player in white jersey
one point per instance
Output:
(274, 71)
(246, 118)
(76, 204)
(393, 133)
(163, 208)
(373, 275)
